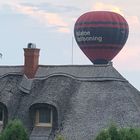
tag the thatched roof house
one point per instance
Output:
(74, 100)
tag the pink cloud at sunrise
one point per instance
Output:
(128, 58)
(133, 21)
(45, 18)
(99, 6)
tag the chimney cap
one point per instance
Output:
(31, 45)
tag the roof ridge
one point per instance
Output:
(82, 78)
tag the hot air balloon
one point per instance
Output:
(101, 35)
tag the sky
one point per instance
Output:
(49, 24)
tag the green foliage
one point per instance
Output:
(114, 133)
(130, 134)
(14, 131)
(60, 137)
(104, 135)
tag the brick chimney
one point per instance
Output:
(31, 59)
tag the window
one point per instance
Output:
(44, 117)
(1, 115)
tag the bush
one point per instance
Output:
(103, 135)
(114, 133)
(130, 134)
(14, 131)
(59, 137)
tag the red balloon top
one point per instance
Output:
(101, 15)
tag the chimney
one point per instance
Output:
(31, 59)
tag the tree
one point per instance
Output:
(114, 133)
(14, 131)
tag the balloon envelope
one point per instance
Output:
(101, 35)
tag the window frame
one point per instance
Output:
(2, 121)
(39, 124)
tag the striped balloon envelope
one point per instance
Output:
(101, 35)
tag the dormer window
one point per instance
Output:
(1, 116)
(44, 117)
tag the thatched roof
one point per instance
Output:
(86, 98)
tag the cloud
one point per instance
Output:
(99, 6)
(128, 58)
(64, 30)
(133, 21)
(2, 3)
(8, 2)
(53, 7)
(47, 19)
